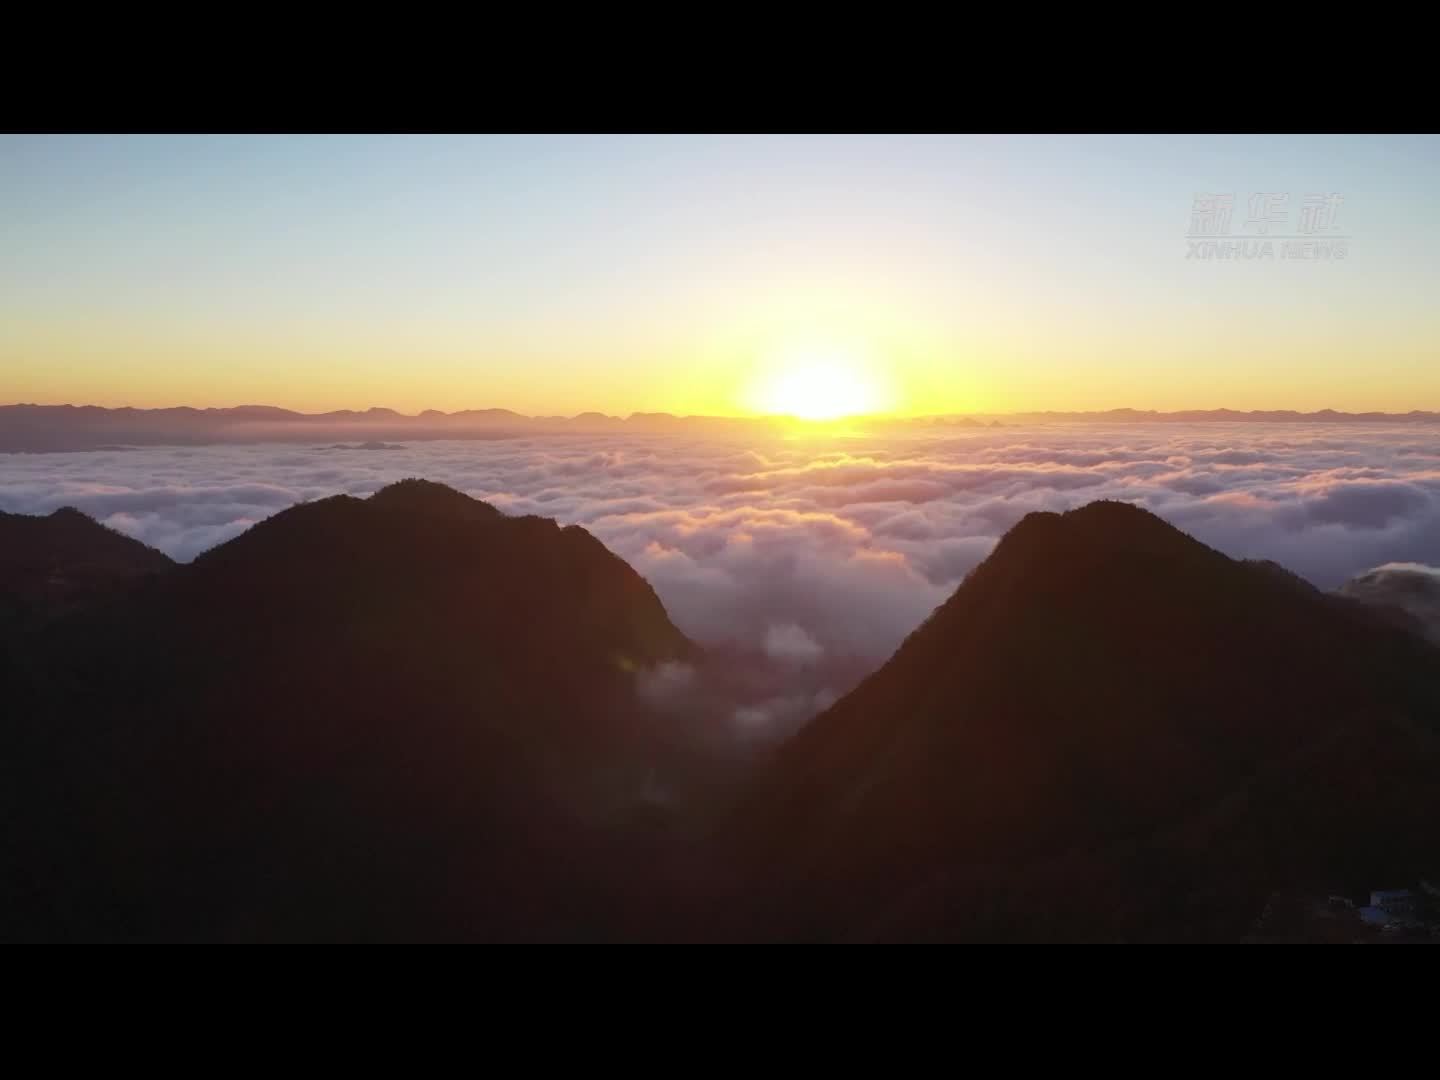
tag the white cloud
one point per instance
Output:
(850, 542)
(790, 644)
(1412, 587)
(667, 685)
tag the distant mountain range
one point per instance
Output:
(411, 717)
(71, 427)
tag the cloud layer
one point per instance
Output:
(1411, 587)
(814, 549)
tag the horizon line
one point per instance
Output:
(380, 412)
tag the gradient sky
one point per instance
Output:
(560, 274)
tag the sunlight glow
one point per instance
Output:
(816, 383)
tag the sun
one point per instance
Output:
(818, 384)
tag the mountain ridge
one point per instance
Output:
(344, 722)
(1102, 679)
(50, 563)
(348, 721)
(38, 428)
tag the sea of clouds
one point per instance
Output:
(813, 547)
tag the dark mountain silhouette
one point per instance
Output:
(411, 717)
(1109, 731)
(51, 564)
(407, 716)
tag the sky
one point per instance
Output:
(718, 275)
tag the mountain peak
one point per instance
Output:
(367, 710)
(414, 495)
(1105, 548)
(1101, 688)
(1104, 521)
(66, 559)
